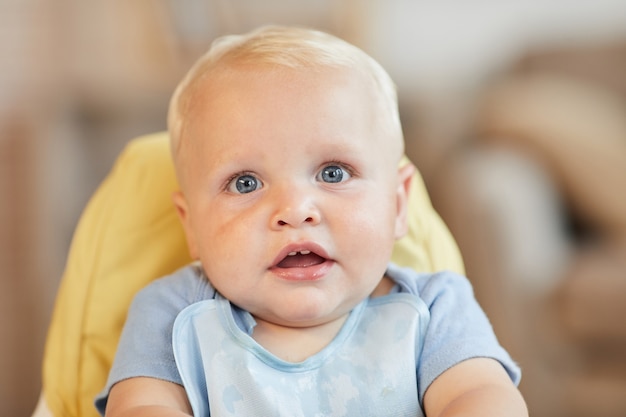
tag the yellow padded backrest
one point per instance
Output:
(128, 235)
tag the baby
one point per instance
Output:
(287, 147)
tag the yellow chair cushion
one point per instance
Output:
(128, 235)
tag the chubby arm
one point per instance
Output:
(475, 387)
(141, 396)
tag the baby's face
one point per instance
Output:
(291, 194)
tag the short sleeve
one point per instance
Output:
(145, 347)
(458, 328)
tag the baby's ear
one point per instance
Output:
(182, 209)
(405, 176)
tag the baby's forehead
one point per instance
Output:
(221, 85)
(217, 73)
(224, 81)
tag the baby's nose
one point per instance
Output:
(295, 209)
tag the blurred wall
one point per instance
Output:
(79, 79)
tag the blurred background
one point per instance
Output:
(514, 111)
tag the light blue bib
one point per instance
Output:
(369, 369)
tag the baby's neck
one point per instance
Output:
(296, 344)
(384, 287)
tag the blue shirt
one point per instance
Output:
(446, 324)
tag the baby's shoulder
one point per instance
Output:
(183, 287)
(430, 286)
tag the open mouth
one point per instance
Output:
(301, 259)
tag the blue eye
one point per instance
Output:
(243, 184)
(333, 174)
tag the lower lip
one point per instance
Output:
(306, 274)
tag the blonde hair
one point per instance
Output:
(290, 47)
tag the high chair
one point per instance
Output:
(128, 235)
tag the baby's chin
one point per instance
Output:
(305, 315)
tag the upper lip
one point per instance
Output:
(299, 247)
